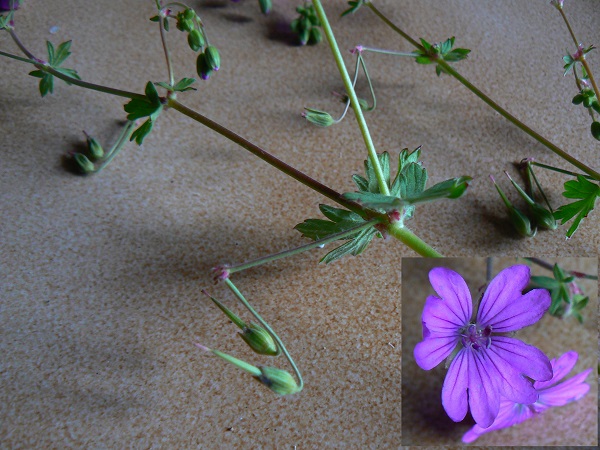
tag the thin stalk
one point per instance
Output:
(364, 67)
(531, 176)
(406, 236)
(302, 248)
(559, 170)
(266, 326)
(121, 141)
(547, 265)
(267, 157)
(451, 71)
(163, 39)
(582, 58)
(383, 187)
(386, 52)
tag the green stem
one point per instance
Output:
(383, 187)
(266, 326)
(163, 39)
(302, 248)
(364, 67)
(19, 58)
(582, 58)
(406, 236)
(267, 157)
(68, 79)
(116, 148)
(547, 265)
(386, 52)
(451, 71)
(559, 170)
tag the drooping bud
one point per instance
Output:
(84, 164)
(320, 118)
(541, 216)
(183, 22)
(195, 40)
(202, 67)
(518, 219)
(314, 36)
(212, 57)
(255, 336)
(94, 147)
(265, 6)
(279, 381)
(260, 340)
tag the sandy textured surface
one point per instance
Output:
(100, 276)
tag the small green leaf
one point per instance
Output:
(452, 188)
(62, 53)
(154, 19)
(46, 84)
(140, 134)
(378, 202)
(361, 183)
(50, 48)
(152, 93)
(353, 247)
(338, 215)
(587, 193)
(184, 85)
(354, 6)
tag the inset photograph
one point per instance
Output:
(500, 351)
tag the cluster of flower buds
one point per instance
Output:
(306, 25)
(538, 215)
(85, 161)
(262, 342)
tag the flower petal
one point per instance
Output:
(453, 290)
(484, 400)
(454, 391)
(561, 366)
(439, 318)
(433, 350)
(525, 358)
(505, 308)
(561, 394)
(509, 414)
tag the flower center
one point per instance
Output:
(476, 337)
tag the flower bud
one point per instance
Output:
(95, 149)
(183, 23)
(212, 57)
(279, 381)
(542, 217)
(195, 40)
(84, 164)
(314, 36)
(259, 340)
(265, 6)
(320, 118)
(518, 219)
(189, 14)
(202, 67)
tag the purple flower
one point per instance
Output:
(487, 366)
(550, 394)
(7, 5)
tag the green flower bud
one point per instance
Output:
(542, 217)
(202, 67)
(265, 6)
(320, 118)
(95, 149)
(518, 219)
(184, 24)
(189, 14)
(279, 381)
(260, 340)
(314, 36)
(212, 57)
(195, 40)
(84, 164)
(303, 34)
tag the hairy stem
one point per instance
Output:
(383, 187)
(406, 236)
(266, 326)
(451, 71)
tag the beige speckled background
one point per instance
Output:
(100, 277)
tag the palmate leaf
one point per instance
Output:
(55, 58)
(353, 247)
(587, 193)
